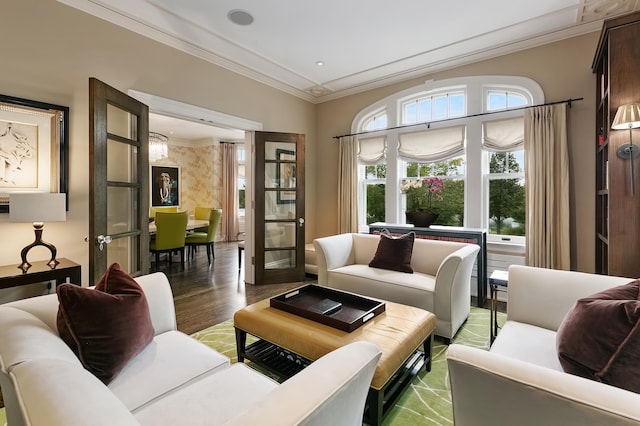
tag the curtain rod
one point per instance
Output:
(428, 123)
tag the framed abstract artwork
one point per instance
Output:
(34, 148)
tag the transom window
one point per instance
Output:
(478, 156)
(504, 99)
(376, 121)
(434, 107)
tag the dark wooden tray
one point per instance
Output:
(355, 310)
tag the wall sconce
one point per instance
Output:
(37, 207)
(628, 117)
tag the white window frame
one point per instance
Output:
(477, 159)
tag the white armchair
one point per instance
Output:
(519, 381)
(441, 282)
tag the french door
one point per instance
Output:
(279, 207)
(118, 181)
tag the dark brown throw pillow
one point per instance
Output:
(107, 326)
(394, 253)
(600, 337)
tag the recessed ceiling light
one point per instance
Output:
(240, 17)
(319, 63)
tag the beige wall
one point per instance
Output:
(563, 69)
(200, 174)
(50, 50)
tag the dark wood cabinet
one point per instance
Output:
(40, 271)
(617, 68)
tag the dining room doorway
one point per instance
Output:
(193, 114)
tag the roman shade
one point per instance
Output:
(432, 145)
(503, 135)
(371, 150)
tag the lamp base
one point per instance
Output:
(37, 228)
(628, 150)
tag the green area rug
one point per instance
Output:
(427, 402)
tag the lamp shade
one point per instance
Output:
(37, 207)
(627, 116)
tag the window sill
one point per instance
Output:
(506, 247)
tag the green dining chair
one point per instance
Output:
(171, 230)
(202, 213)
(195, 239)
(164, 209)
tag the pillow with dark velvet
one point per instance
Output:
(394, 253)
(600, 337)
(107, 326)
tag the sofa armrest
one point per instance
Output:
(159, 296)
(453, 286)
(542, 297)
(331, 391)
(491, 389)
(53, 392)
(333, 252)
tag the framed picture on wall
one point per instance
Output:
(286, 176)
(34, 148)
(165, 185)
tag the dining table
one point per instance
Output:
(191, 225)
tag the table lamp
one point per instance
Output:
(628, 117)
(37, 207)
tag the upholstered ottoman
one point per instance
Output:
(401, 332)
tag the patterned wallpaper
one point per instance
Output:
(200, 174)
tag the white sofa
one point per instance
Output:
(174, 380)
(519, 381)
(441, 282)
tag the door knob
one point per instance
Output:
(102, 240)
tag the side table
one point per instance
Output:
(65, 271)
(498, 281)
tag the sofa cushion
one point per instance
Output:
(600, 337)
(528, 343)
(171, 361)
(394, 253)
(212, 399)
(107, 326)
(415, 289)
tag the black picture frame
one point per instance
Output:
(171, 195)
(61, 145)
(285, 175)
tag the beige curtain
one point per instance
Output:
(230, 227)
(348, 185)
(547, 177)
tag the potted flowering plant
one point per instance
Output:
(421, 195)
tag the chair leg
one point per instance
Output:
(182, 257)
(157, 261)
(209, 253)
(213, 253)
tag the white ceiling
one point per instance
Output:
(178, 130)
(363, 43)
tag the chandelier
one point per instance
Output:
(158, 147)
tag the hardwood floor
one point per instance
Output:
(206, 295)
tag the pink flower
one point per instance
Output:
(421, 192)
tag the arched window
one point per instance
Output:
(467, 131)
